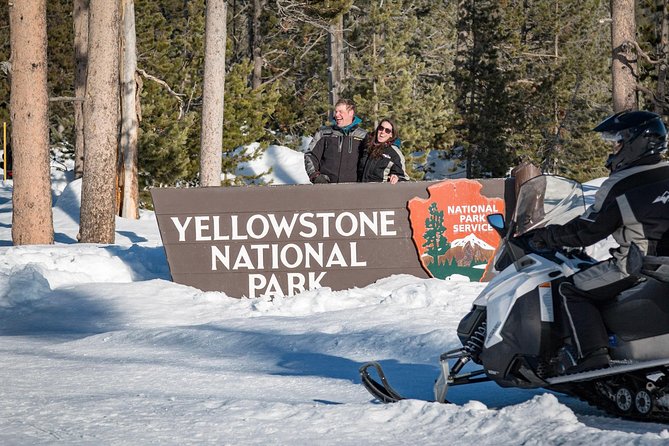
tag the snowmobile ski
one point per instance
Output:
(383, 391)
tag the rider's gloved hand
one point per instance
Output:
(536, 239)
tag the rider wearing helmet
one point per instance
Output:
(632, 205)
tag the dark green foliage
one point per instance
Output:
(560, 54)
(390, 65)
(487, 115)
(436, 242)
(296, 55)
(170, 47)
(60, 59)
(507, 80)
(247, 113)
(60, 55)
(327, 9)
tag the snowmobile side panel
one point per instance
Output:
(508, 291)
(523, 333)
(616, 369)
(647, 349)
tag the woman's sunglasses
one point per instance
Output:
(387, 130)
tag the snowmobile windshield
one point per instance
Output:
(547, 200)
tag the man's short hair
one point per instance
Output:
(347, 102)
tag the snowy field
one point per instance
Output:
(99, 347)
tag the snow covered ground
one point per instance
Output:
(98, 346)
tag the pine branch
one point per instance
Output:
(275, 78)
(65, 99)
(291, 9)
(642, 53)
(653, 97)
(178, 96)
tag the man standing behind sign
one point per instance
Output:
(333, 154)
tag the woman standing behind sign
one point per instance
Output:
(382, 159)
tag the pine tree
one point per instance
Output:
(246, 118)
(32, 221)
(61, 75)
(170, 46)
(559, 54)
(435, 240)
(295, 52)
(481, 81)
(101, 117)
(213, 93)
(385, 78)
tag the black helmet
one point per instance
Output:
(639, 133)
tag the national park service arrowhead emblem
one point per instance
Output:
(450, 229)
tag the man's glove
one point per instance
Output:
(537, 239)
(321, 178)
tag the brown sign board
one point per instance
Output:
(280, 240)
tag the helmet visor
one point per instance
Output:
(612, 137)
(615, 139)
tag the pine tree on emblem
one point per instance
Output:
(435, 240)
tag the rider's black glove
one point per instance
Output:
(537, 239)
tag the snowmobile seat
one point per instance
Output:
(639, 312)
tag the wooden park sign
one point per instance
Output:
(281, 240)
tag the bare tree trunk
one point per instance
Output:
(662, 50)
(256, 78)
(624, 64)
(336, 59)
(32, 218)
(213, 94)
(129, 113)
(375, 85)
(101, 110)
(80, 61)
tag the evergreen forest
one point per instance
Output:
(495, 82)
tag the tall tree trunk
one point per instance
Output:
(623, 66)
(256, 77)
(32, 219)
(336, 58)
(213, 94)
(375, 85)
(101, 110)
(80, 60)
(129, 113)
(662, 50)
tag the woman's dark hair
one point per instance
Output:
(374, 147)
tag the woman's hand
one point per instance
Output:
(393, 179)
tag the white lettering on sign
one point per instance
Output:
(258, 226)
(291, 256)
(484, 209)
(472, 218)
(261, 286)
(181, 227)
(479, 227)
(273, 244)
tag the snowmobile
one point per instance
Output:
(516, 333)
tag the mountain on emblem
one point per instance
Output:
(450, 230)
